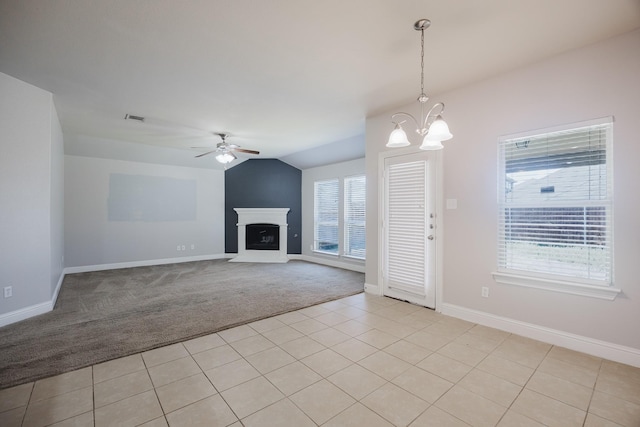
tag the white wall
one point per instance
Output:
(30, 198)
(57, 202)
(593, 82)
(309, 176)
(92, 240)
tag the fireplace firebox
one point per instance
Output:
(270, 242)
(263, 237)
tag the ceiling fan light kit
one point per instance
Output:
(224, 151)
(225, 157)
(431, 126)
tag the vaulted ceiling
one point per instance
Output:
(281, 76)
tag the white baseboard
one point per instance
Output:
(594, 347)
(25, 313)
(33, 310)
(54, 297)
(144, 263)
(372, 289)
(332, 263)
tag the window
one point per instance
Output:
(555, 209)
(326, 213)
(339, 216)
(354, 216)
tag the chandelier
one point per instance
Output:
(431, 126)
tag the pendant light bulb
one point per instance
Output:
(439, 130)
(431, 145)
(398, 138)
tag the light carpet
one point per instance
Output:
(104, 315)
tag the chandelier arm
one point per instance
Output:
(430, 114)
(400, 114)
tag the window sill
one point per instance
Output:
(315, 251)
(345, 257)
(602, 292)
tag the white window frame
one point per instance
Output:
(348, 216)
(541, 280)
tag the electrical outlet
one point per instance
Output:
(183, 247)
(8, 291)
(178, 248)
(485, 292)
(193, 246)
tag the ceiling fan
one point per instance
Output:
(224, 150)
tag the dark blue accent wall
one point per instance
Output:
(263, 183)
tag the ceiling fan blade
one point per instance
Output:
(204, 154)
(221, 147)
(244, 150)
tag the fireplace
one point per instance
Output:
(262, 235)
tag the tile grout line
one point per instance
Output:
(457, 382)
(276, 387)
(26, 408)
(315, 382)
(155, 392)
(593, 392)
(93, 394)
(523, 387)
(378, 350)
(219, 394)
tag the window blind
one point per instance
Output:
(406, 226)
(326, 211)
(555, 204)
(354, 216)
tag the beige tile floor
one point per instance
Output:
(359, 361)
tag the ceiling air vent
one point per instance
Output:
(132, 117)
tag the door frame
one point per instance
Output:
(437, 158)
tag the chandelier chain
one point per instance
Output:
(422, 62)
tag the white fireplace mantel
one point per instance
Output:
(276, 216)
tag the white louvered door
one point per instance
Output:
(409, 229)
